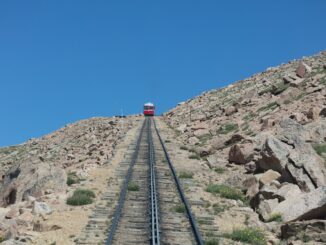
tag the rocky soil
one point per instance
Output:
(39, 175)
(264, 136)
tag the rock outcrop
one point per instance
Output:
(273, 125)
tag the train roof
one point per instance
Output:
(149, 104)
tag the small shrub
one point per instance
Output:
(219, 170)
(167, 141)
(180, 208)
(186, 175)
(248, 235)
(72, 178)
(183, 147)
(2, 239)
(212, 241)
(275, 217)
(226, 192)
(133, 187)
(81, 197)
(270, 106)
(194, 156)
(227, 128)
(321, 150)
(217, 208)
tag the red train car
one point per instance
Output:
(149, 109)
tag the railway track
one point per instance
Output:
(152, 208)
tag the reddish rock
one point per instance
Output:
(303, 69)
(241, 154)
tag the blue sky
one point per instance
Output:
(61, 61)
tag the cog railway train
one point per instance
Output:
(149, 109)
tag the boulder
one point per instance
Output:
(13, 213)
(200, 125)
(182, 128)
(274, 155)
(241, 154)
(30, 179)
(193, 140)
(41, 208)
(268, 177)
(230, 110)
(43, 227)
(306, 206)
(250, 167)
(201, 132)
(301, 178)
(236, 138)
(287, 190)
(267, 123)
(313, 113)
(252, 186)
(303, 69)
(3, 213)
(314, 230)
(265, 208)
(217, 143)
(299, 117)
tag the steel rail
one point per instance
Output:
(191, 218)
(154, 210)
(123, 193)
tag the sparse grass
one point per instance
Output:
(180, 208)
(204, 138)
(266, 90)
(226, 192)
(194, 156)
(8, 149)
(183, 148)
(321, 150)
(280, 88)
(227, 128)
(245, 126)
(81, 197)
(277, 217)
(270, 106)
(219, 170)
(249, 116)
(212, 241)
(133, 187)
(300, 96)
(248, 235)
(186, 175)
(323, 81)
(218, 208)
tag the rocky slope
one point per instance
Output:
(270, 131)
(38, 172)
